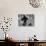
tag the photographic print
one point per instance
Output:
(26, 19)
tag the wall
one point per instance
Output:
(11, 8)
(45, 28)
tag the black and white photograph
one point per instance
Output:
(26, 19)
